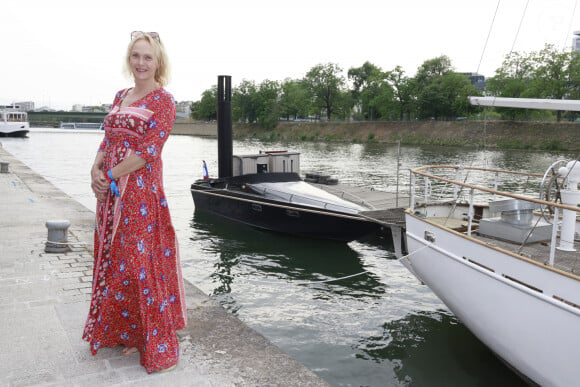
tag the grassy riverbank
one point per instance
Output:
(563, 136)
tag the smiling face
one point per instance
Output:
(143, 61)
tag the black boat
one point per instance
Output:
(282, 202)
(265, 191)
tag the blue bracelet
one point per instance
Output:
(113, 185)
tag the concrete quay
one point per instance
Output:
(44, 300)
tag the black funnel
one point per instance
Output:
(224, 126)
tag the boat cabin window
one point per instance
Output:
(283, 165)
(262, 168)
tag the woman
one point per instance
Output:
(138, 298)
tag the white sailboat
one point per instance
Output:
(499, 248)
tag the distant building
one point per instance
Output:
(77, 108)
(476, 79)
(20, 106)
(183, 107)
(576, 41)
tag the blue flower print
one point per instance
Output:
(167, 252)
(119, 296)
(148, 167)
(156, 98)
(138, 152)
(172, 298)
(106, 327)
(143, 209)
(142, 275)
(126, 144)
(162, 134)
(163, 277)
(105, 292)
(126, 221)
(150, 300)
(126, 282)
(163, 202)
(155, 331)
(161, 348)
(152, 124)
(149, 228)
(124, 336)
(163, 306)
(133, 326)
(140, 182)
(143, 106)
(154, 188)
(141, 246)
(125, 313)
(152, 150)
(146, 291)
(122, 266)
(96, 345)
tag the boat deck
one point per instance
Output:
(568, 261)
(386, 208)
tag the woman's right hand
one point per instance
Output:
(99, 182)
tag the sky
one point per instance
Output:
(63, 52)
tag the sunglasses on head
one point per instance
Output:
(154, 35)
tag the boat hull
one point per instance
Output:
(510, 304)
(14, 133)
(281, 217)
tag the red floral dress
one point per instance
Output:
(138, 296)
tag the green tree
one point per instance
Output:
(244, 108)
(294, 101)
(206, 108)
(441, 92)
(266, 101)
(366, 84)
(403, 88)
(326, 85)
(513, 80)
(553, 74)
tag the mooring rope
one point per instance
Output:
(303, 283)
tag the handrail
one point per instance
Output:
(419, 171)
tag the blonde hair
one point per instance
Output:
(162, 72)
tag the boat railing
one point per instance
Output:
(300, 199)
(475, 187)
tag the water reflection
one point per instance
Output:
(427, 347)
(291, 261)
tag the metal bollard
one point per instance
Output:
(4, 166)
(57, 232)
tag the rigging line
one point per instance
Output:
(488, 35)
(520, 26)
(569, 26)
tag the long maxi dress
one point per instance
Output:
(138, 295)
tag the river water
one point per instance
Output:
(378, 328)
